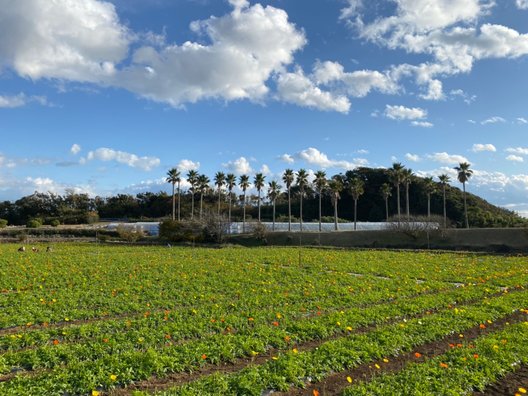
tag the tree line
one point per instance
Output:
(362, 194)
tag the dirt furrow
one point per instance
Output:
(334, 384)
(510, 384)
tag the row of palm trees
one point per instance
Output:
(399, 176)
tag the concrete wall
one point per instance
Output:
(501, 240)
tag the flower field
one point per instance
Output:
(114, 320)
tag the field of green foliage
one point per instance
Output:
(115, 320)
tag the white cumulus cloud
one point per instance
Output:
(493, 120)
(404, 113)
(478, 147)
(522, 4)
(287, 158)
(62, 39)
(514, 158)
(240, 166)
(446, 158)
(298, 89)
(422, 124)
(107, 154)
(412, 157)
(75, 149)
(186, 165)
(315, 157)
(517, 150)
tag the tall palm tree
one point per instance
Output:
(444, 179)
(464, 173)
(396, 176)
(219, 181)
(430, 188)
(288, 177)
(302, 181)
(336, 186)
(273, 193)
(386, 191)
(192, 178)
(320, 184)
(259, 182)
(408, 177)
(243, 182)
(231, 183)
(203, 186)
(173, 177)
(357, 188)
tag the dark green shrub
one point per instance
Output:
(54, 223)
(34, 223)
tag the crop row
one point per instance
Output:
(460, 371)
(294, 367)
(73, 284)
(81, 366)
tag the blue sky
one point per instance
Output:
(104, 97)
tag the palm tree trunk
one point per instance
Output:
(259, 205)
(300, 218)
(387, 209)
(173, 204)
(179, 202)
(244, 214)
(219, 193)
(465, 206)
(335, 214)
(273, 227)
(399, 203)
(320, 207)
(355, 214)
(289, 210)
(229, 212)
(201, 205)
(445, 211)
(192, 205)
(407, 202)
(429, 207)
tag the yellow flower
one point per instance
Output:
(295, 350)
(522, 390)
(386, 360)
(349, 379)
(377, 366)
(113, 377)
(95, 393)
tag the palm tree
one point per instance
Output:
(396, 175)
(273, 193)
(430, 188)
(219, 181)
(386, 191)
(173, 177)
(336, 186)
(192, 178)
(464, 173)
(320, 184)
(302, 181)
(357, 188)
(243, 182)
(259, 182)
(408, 177)
(444, 179)
(287, 178)
(231, 183)
(203, 186)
